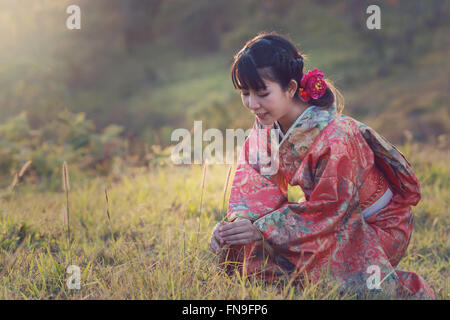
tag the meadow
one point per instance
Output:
(147, 235)
(106, 99)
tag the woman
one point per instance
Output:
(355, 221)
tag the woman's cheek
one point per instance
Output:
(245, 101)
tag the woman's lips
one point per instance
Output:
(262, 115)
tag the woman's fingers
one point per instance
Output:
(232, 233)
(235, 230)
(232, 225)
(243, 232)
(218, 237)
(235, 227)
(239, 241)
(216, 240)
(214, 245)
(240, 236)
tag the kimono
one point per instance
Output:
(333, 158)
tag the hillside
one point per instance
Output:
(161, 65)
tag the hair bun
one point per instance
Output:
(300, 61)
(296, 67)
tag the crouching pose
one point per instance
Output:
(355, 218)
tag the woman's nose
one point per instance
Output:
(253, 103)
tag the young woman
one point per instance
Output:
(355, 220)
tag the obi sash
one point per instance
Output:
(374, 194)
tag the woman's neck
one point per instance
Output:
(288, 119)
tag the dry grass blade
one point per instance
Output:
(201, 197)
(24, 168)
(18, 176)
(66, 187)
(225, 189)
(14, 182)
(64, 215)
(65, 177)
(205, 165)
(203, 186)
(108, 215)
(9, 264)
(107, 205)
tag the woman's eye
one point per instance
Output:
(259, 95)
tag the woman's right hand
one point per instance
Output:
(217, 242)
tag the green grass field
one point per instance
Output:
(155, 246)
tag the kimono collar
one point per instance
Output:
(296, 141)
(313, 116)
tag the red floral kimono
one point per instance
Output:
(343, 167)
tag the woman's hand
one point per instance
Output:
(217, 241)
(239, 232)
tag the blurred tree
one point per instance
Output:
(401, 23)
(138, 16)
(203, 24)
(140, 64)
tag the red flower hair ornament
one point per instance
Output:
(312, 85)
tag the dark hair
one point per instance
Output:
(274, 57)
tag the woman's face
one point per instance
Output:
(269, 104)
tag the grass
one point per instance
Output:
(141, 243)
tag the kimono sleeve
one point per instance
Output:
(296, 227)
(252, 194)
(394, 165)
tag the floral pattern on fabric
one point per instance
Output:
(328, 155)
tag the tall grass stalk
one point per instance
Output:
(14, 182)
(108, 214)
(205, 165)
(66, 188)
(225, 189)
(19, 176)
(184, 228)
(107, 205)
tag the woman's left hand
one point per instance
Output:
(240, 232)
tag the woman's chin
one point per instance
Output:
(266, 119)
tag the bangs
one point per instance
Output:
(245, 75)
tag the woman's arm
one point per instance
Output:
(253, 194)
(295, 226)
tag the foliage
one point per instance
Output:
(152, 66)
(68, 137)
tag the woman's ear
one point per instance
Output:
(292, 88)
